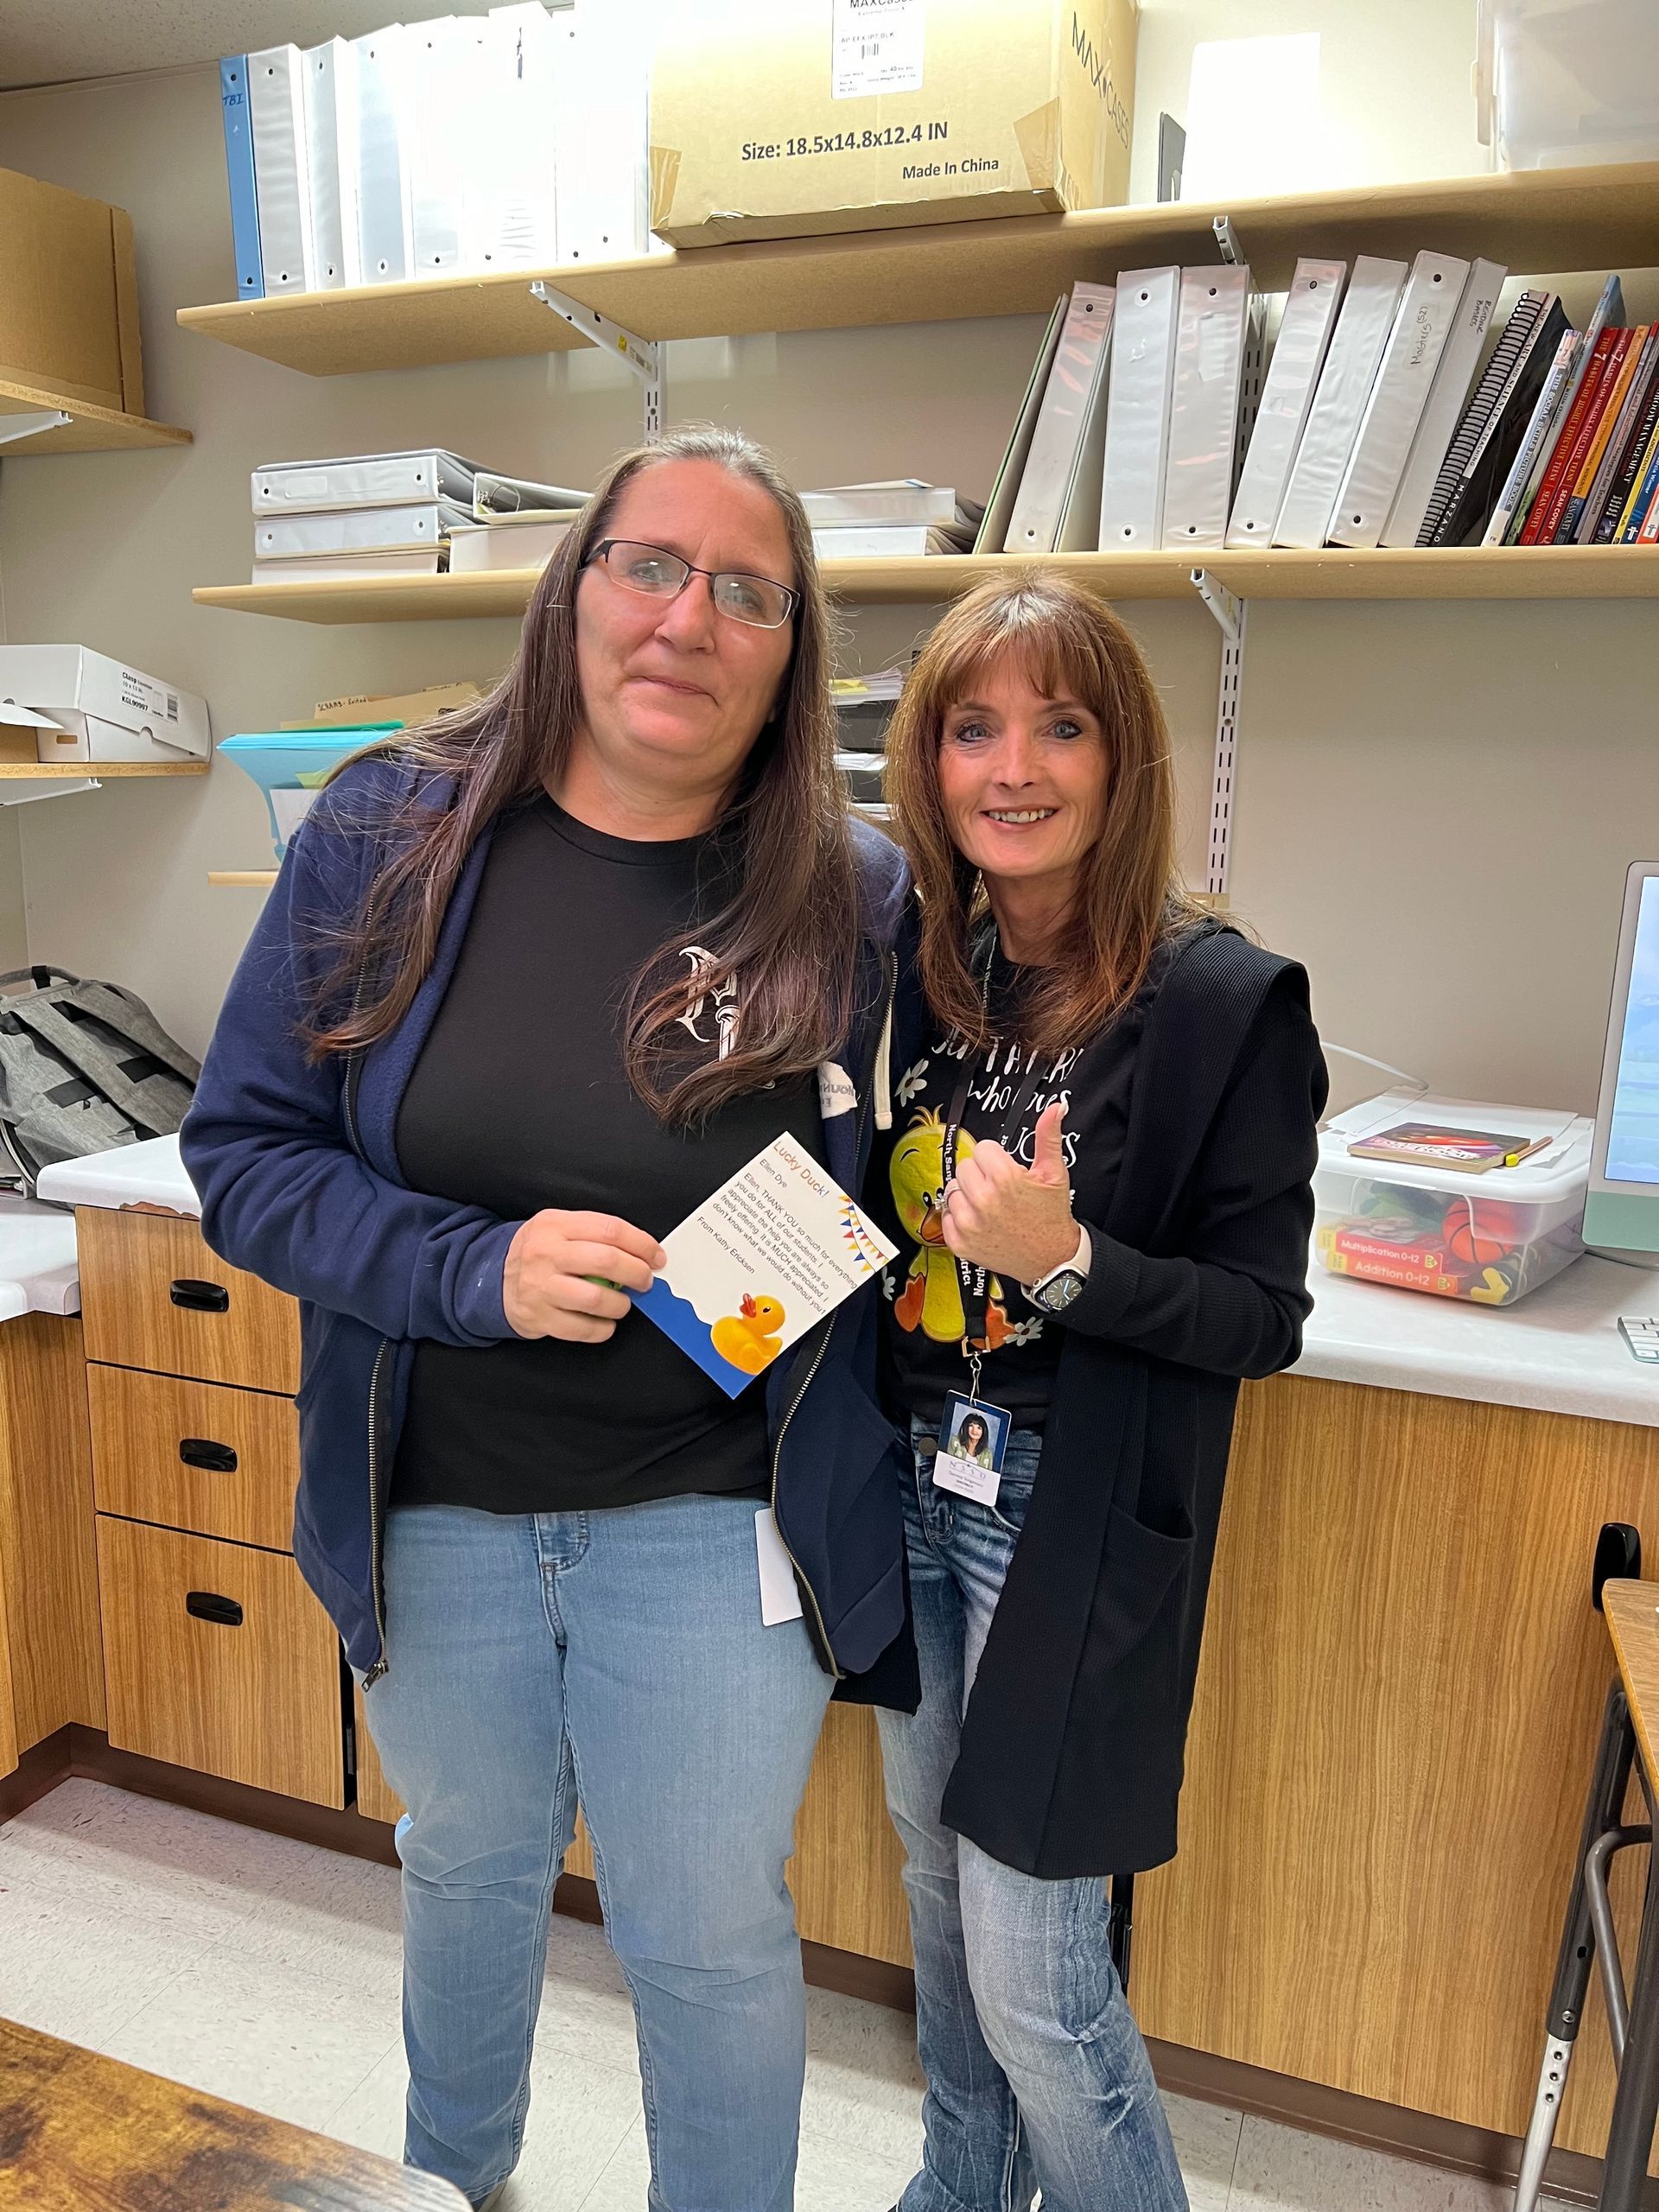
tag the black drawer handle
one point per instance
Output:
(201, 1296)
(206, 1606)
(199, 1452)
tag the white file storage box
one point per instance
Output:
(1490, 1238)
(80, 705)
(1562, 82)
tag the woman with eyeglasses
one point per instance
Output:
(533, 983)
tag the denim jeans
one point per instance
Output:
(618, 1657)
(1037, 2077)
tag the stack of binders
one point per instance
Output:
(901, 519)
(387, 514)
(1129, 437)
(460, 146)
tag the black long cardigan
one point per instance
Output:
(1073, 1741)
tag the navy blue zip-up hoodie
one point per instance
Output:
(296, 1166)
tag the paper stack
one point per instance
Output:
(391, 514)
(864, 707)
(516, 524)
(902, 518)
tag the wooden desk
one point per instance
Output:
(78, 2130)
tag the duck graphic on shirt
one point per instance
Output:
(932, 1297)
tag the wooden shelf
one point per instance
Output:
(1474, 572)
(39, 772)
(1532, 221)
(242, 878)
(92, 430)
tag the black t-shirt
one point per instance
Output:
(922, 1337)
(517, 1101)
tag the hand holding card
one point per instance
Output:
(772, 1251)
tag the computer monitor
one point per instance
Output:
(1621, 1215)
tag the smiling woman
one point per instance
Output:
(1105, 1181)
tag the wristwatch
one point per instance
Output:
(1055, 1291)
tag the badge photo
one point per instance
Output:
(973, 1443)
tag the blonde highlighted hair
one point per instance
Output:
(1068, 644)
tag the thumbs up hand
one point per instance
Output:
(1016, 1221)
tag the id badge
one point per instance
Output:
(973, 1444)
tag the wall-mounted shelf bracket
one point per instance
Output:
(1231, 612)
(23, 793)
(1227, 244)
(14, 428)
(643, 355)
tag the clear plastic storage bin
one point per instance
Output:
(1562, 82)
(1489, 1237)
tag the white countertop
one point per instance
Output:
(38, 1270)
(147, 1175)
(1558, 1350)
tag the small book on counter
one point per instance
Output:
(1431, 1144)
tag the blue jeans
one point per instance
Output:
(1037, 2077)
(618, 1657)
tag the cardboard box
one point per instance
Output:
(83, 706)
(790, 119)
(69, 296)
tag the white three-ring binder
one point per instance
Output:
(1424, 320)
(1351, 367)
(1068, 410)
(1459, 357)
(281, 180)
(1137, 409)
(1304, 328)
(1213, 323)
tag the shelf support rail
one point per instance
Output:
(1231, 612)
(14, 428)
(643, 355)
(26, 796)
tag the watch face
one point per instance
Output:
(1059, 1294)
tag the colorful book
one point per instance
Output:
(1431, 1144)
(1616, 513)
(1609, 309)
(1629, 352)
(1608, 493)
(1557, 486)
(1642, 498)
(1543, 415)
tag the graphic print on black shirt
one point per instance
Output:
(519, 1101)
(924, 1320)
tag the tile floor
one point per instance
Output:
(267, 1971)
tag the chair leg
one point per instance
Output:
(1635, 2102)
(1602, 1810)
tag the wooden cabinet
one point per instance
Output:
(195, 1455)
(216, 1655)
(50, 1674)
(154, 1296)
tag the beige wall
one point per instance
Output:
(1435, 803)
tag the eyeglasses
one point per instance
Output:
(660, 574)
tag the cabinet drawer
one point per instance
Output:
(153, 1295)
(196, 1456)
(218, 1657)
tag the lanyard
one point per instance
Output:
(973, 1282)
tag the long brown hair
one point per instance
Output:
(781, 870)
(1068, 644)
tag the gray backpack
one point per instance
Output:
(84, 1067)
